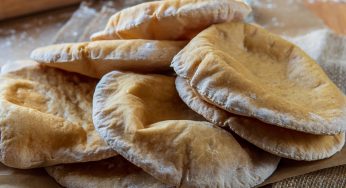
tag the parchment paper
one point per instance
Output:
(290, 168)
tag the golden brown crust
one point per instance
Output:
(97, 58)
(45, 119)
(248, 71)
(171, 19)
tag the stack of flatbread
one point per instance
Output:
(174, 93)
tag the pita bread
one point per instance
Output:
(248, 71)
(276, 140)
(112, 172)
(171, 19)
(45, 119)
(95, 59)
(145, 121)
(31, 178)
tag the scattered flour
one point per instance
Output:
(18, 37)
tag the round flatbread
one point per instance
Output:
(46, 119)
(171, 19)
(95, 59)
(248, 71)
(112, 172)
(276, 140)
(29, 178)
(145, 121)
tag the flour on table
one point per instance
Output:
(329, 50)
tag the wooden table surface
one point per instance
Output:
(333, 14)
(14, 8)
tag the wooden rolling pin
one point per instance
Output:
(14, 8)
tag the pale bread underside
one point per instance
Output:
(276, 140)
